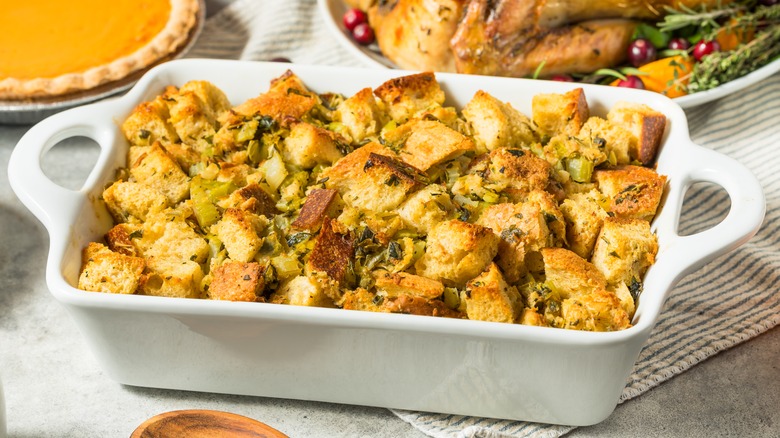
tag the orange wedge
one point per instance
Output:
(667, 76)
(731, 36)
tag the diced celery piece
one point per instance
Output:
(451, 297)
(419, 249)
(286, 265)
(490, 197)
(389, 126)
(274, 171)
(247, 131)
(337, 127)
(206, 212)
(580, 169)
(204, 193)
(215, 245)
(612, 158)
(197, 168)
(254, 151)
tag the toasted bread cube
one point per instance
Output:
(402, 283)
(148, 123)
(192, 119)
(104, 270)
(407, 95)
(172, 279)
(215, 104)
(518, 172)
(597, 311)
(346, 170)
(456, 252)
(332, 251)
(383, 184)
(497, 124)
(623, 294)
(633, 191)
(240, 231)
(570, 274)
(523, 230)
(414, 305)
(168, 221)
(251, 198)
(121, 238)
(426, 208)
(560, 113)
(173, 251)
(624, 250)
(361, 116)
(584, 215)
(548, 208)
(309, 145)
(529, 316)
(613, 138)
(236, 281)
(489, 298)
(319, 204)
(288, 97)
(315, 290)
(158, 170)
(429, 142)
(127, 200)
(185, 154)
(361, 299)
(519, 231)
(135, 153)
(180, 242)
(646, 126)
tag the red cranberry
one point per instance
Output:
(679, 44)
(363, 34)
(641, 51)
(562, 78)
(353, 17)
(631, 82)
(704, 48)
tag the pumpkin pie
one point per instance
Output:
(54, 47)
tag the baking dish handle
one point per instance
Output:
(748, 206)
(54, 205)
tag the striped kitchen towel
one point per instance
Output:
(724, 303)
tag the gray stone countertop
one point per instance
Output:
(54, 388)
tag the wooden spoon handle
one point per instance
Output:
(204, 424)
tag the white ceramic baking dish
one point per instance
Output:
(390, 360)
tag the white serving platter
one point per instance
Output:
(333, 11)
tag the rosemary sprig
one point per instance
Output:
(741, 17)
(721, 67)
(677, 19)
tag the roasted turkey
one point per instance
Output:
(511, 37)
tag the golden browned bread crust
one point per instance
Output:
(235, 281)
(332, 252)
(315, 209)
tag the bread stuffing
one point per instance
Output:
(386, 201)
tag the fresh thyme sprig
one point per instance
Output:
(721, 67)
